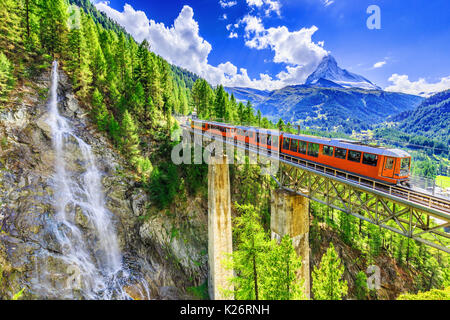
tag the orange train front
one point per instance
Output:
(375, 163)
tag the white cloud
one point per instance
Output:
(232, 35)
(182, 45)
(268, 6)
(328, 2)
(401, 83)
(379, 64)
(295, 48)
(224, 16)
(227, 4)
(136, 22)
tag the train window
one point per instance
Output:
(294, 145)
(370, 159)
(340, 153)
(263, 138)
(404, 167)
(328, 151)
(286, 143)
(313, 149)
(354, 156)
(302, 147)
(389, 163)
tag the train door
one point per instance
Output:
(388, 167)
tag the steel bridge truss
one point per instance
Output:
(396, 214)
(412, 214)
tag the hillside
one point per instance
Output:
(87, 181)
(339, 109)
(431, 118)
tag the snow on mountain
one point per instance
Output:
(329, 71)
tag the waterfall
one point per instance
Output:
(88, 259)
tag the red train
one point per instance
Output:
(391, 166)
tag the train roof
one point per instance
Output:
(335, 142)
(215, 122)
(273, 131)
(350, 144)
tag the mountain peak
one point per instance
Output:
(329, 71)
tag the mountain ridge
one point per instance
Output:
(329, 71)
(335, 109)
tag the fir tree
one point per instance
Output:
(361, 286)
(250, 254)
(130, 138)
(282, 265)
(327, 283)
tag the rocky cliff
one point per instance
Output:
(162, 263)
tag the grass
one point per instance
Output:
(444, 181)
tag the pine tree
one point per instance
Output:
(282, 264)
(361, 286)
(280, 125)
(6, 76)
(248, 259)
(130, 138)
(99, 111)
(156, 89)
(11, 30)
(53, 25)
(327, 283)
(220, 104)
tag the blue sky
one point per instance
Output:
(268, 44)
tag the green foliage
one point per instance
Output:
(328, 109)
(430, 119)
(250, 254)
(6, 76)
(164, 184)
(144, 168)
(347, 227)
(200, 292)
(18, 295)
(264, 269)
(361, 289)
(434, 294)
(130, 138)
(327, 283)
(281, 281)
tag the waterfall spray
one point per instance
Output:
(89, 258)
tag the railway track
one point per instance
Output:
(434, 203)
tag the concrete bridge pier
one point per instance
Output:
(219, 226)
(290, 216)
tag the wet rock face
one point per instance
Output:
(27, 207)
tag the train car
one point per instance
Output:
(264, 138)
(214, 128)
(199, 125)
(376, 163)
(241, 134)
(390, 166)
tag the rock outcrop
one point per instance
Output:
(168, 253)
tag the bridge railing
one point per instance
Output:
(414, 214)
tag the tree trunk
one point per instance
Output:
(255, 277)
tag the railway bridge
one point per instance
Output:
(413, 214)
